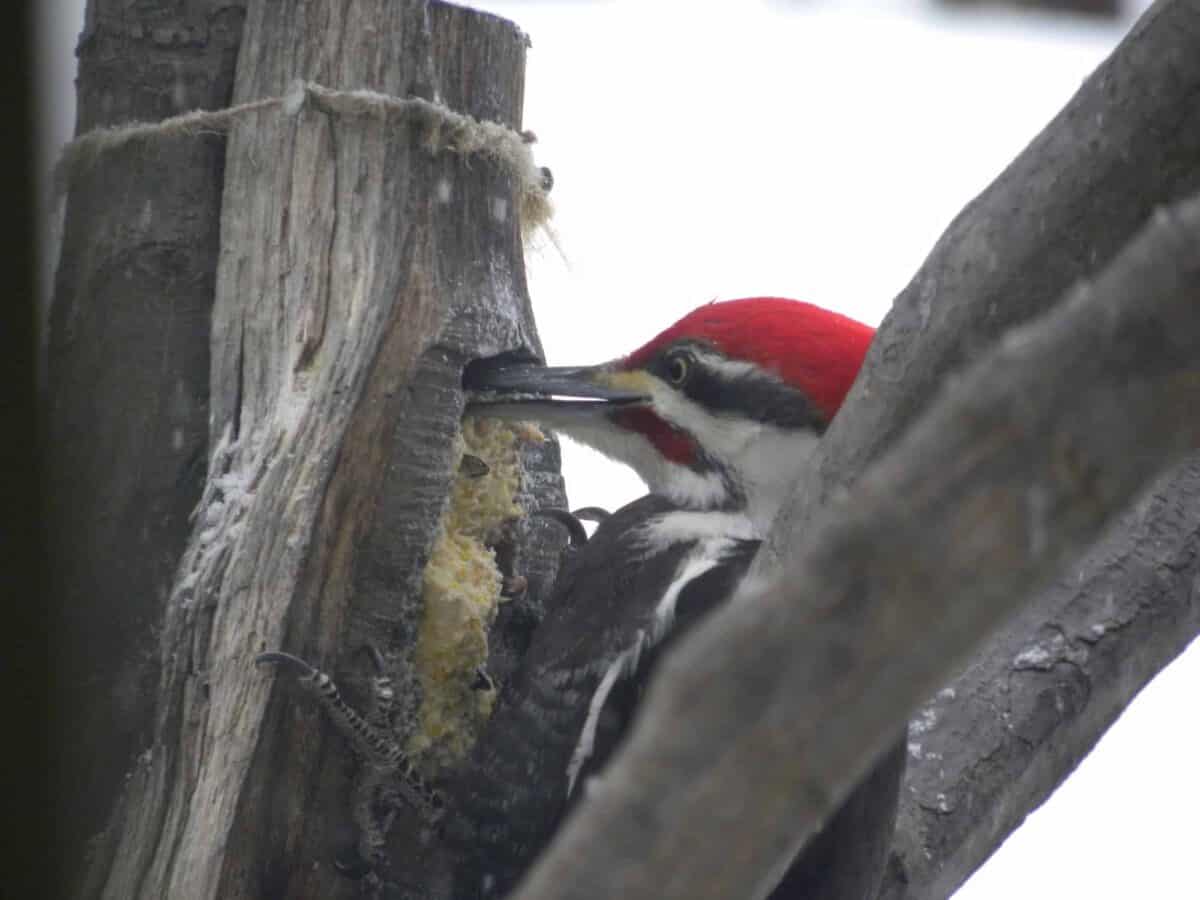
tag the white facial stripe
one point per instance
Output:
(754, 463)
(679, 483)
(763, 460)
(723, 437)
(729, 368)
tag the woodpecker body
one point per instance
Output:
(640, 582)
(717, 414)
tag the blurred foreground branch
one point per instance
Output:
(1001, 736)
(781, 702)
(1125, 144)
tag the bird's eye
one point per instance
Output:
(678, 369)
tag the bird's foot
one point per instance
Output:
(591, 514)
(575, 531)
(573, 521)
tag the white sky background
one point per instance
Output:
(815, 150)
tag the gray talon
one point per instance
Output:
(591, 514)
(575, 529)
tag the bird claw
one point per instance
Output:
(573, 520)
(591, 514)
(575, 530)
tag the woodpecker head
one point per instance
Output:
(718, 411)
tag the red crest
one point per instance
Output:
(813, 349)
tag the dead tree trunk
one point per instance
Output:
(128, 370)
(361, 266)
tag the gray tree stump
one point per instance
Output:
(127, 393)
(358, 273)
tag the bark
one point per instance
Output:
(1005, 733)
(358, 272)
(1126, 143)
(997, 740)
(24, 660)
(127, 394)
(785, 699)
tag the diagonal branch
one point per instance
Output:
(783, 701)
(1125, 144)
(995, 742)
(1136, 96)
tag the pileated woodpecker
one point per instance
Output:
(717, 414)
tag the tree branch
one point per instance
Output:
(1000, 737)
(126, 407)
(1126, 143)
(781, 702)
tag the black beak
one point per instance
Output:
(542, 393)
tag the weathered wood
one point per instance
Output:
(126, 412)
(358, 273)
(1025, 711)
(1127, 142)
(784, 699)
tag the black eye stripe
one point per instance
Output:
(753, 394)
(761, 399)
